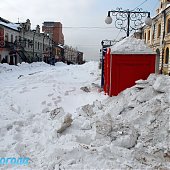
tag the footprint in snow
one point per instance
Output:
(49, 104)
(18, 137)
(34, 87)
(51, 94)
(43, 103)
(15, 108)
(24, 90)
(45, 110)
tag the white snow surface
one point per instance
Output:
(10, 25)
(128, 131)
(131, 45)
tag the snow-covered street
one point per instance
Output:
(28, 94)
(129, 131)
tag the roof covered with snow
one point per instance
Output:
(131, 45)
(9, 24)
(61, 46)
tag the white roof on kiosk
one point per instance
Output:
(131, 45)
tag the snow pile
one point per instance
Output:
(131, 45)
(48, 117)
(127, 131)
(20, 67)
(12, 72)
(135, 126)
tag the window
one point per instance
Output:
(40, 46)
(12, 38)
(35, 45)
(149, 34)
(6, 37)
(167, 56)
(16, 38)
(168, 26)
(153, 34)
(6, 58)
(159, 30)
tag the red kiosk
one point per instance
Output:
(127, 61)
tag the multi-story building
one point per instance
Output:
(62, 52)
(157, 36)
(55, 30)
(19, 43)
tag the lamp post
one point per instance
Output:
(105, 44)
(102, 68)
(125, 17)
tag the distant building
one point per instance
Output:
(72, 55)
(18, 43)
(62, 52)
(59, 53)
(55, 30)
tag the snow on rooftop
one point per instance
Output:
(10, 25)
(131, 45)
(168, 5)
(59, 45)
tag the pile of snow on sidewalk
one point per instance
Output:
(59, 126)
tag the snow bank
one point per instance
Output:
(131, 45)
(20, 67)
(139, 125)
(47, 117)
(130, 130)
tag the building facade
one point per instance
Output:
(157, 36)
(55, 30)
(18, 43)
(59, 53)
(72, 55)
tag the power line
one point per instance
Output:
(155, 6)
(117, 35)
(140, 4)
(76, 27)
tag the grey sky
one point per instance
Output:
(74, 14)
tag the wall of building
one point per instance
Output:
(55, 30)
(32, 44)
(157, 36)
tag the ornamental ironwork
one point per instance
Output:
(128, 20)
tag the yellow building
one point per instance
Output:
(157, 36)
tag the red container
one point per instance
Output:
(122, 70)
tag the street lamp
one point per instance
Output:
(102, 68)
(105, 44)
(123, 18)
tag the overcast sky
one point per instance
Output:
(82, 20)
